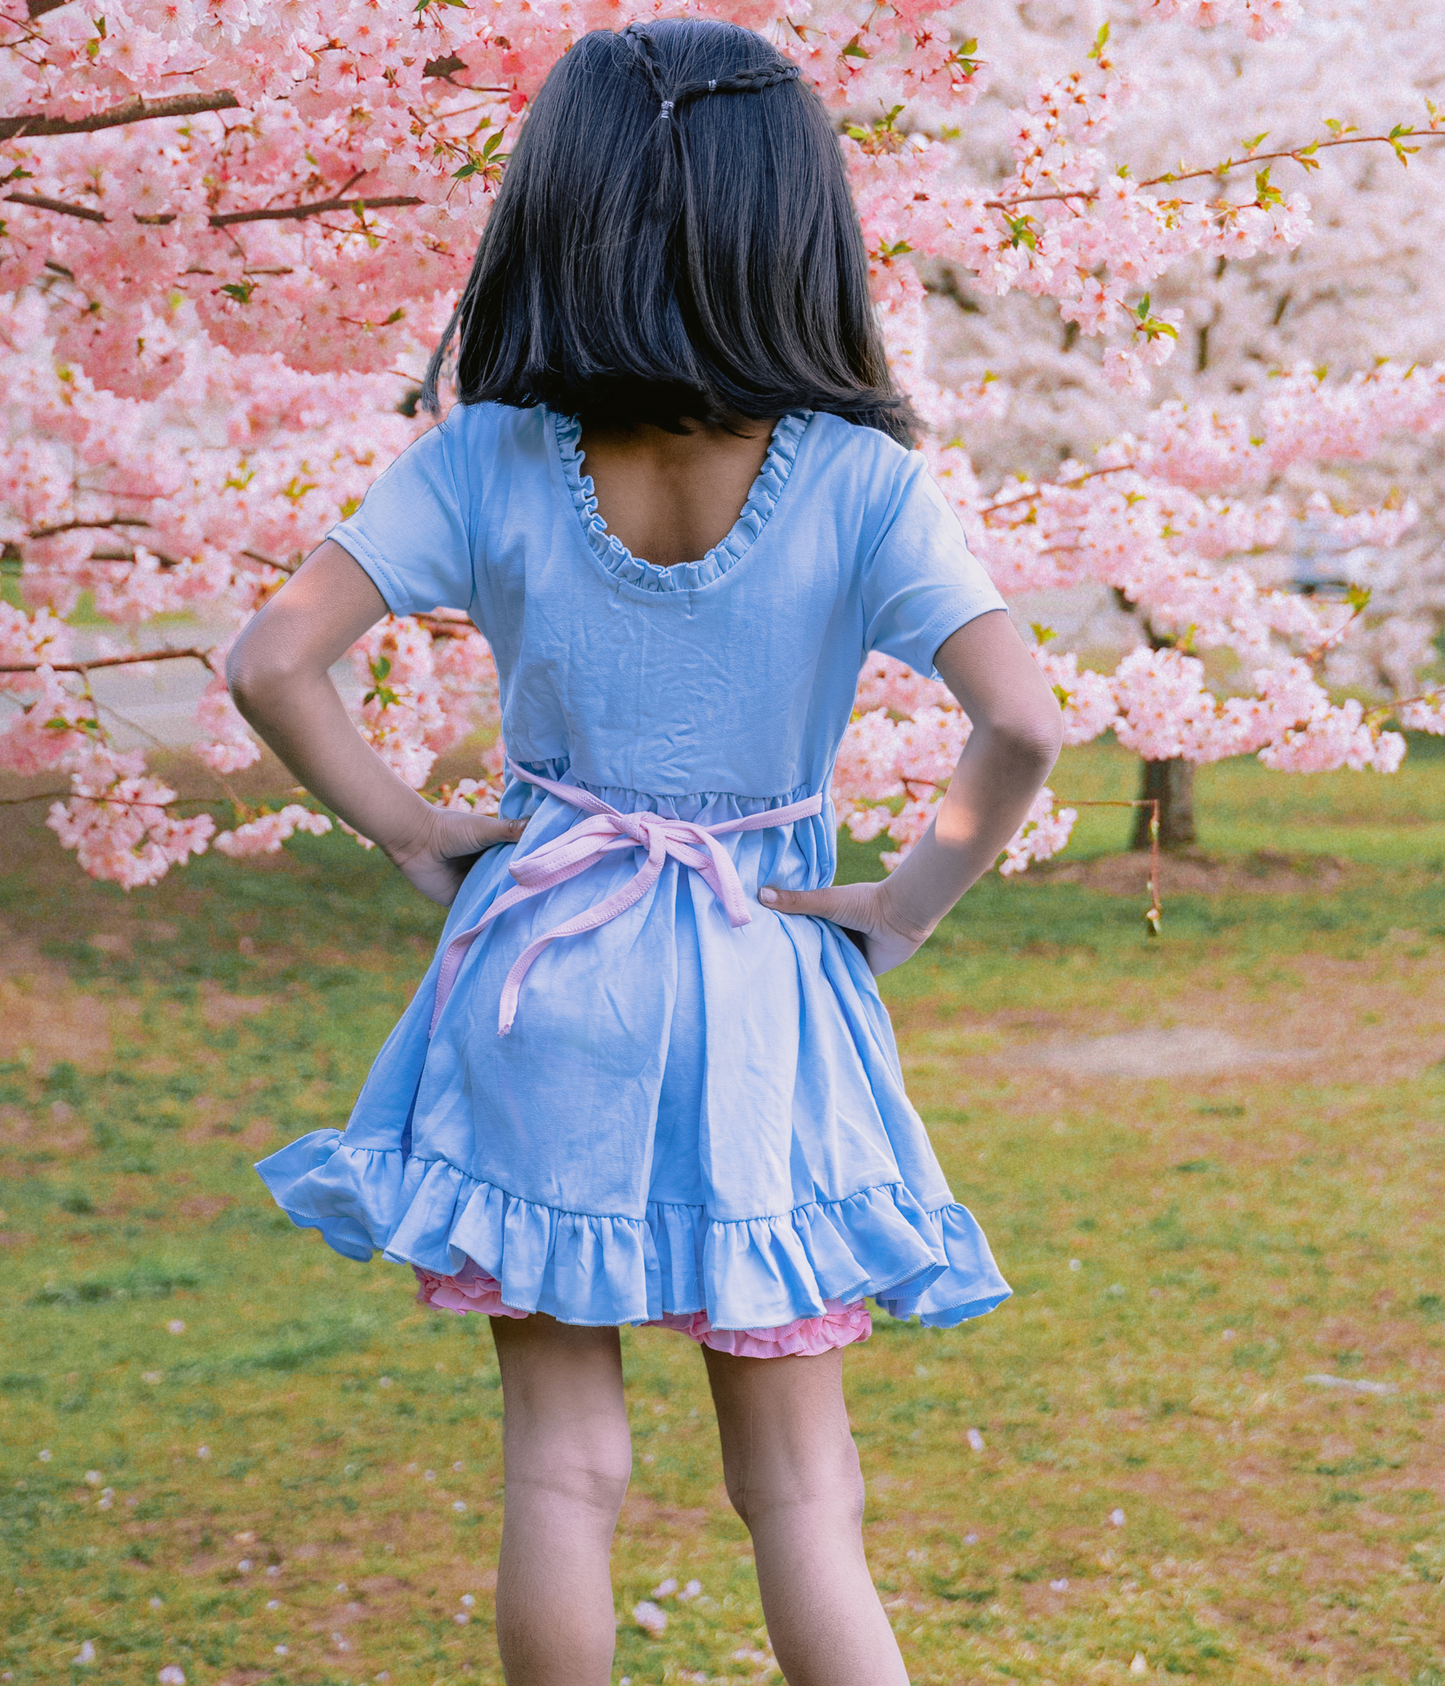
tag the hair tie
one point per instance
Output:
(712, 86)
(667, 106)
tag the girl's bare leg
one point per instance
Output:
(792, 1474)
(568, 1455)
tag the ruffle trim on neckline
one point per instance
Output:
(593, 1269)
(683, 576)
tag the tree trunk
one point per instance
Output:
(1171, 783)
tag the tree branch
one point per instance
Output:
(59, 206)
(128, 660)
(1053, 486)
(76, 526)
(1300, 154)
(33, 124)
(38, 8)
(289, 212)
(224, 219)
(111, 801)
(440, 626)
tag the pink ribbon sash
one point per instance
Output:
(604, 832)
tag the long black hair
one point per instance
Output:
(673, 239)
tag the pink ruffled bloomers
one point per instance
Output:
(471, 1289)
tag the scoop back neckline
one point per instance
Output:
(619, 561)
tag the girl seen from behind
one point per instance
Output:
(648, 1077)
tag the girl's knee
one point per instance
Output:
(587, 1470)
(823, 1477)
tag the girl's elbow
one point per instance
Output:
(240, 679)
(1034, 739)
(250, 679)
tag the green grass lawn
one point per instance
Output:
(227, 1449)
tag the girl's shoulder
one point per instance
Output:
(488, 426)
(862, 470)
(859, 449)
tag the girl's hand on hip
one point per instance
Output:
(864, 912)
(439, 859)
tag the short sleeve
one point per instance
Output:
(412, 533)
(921, 582)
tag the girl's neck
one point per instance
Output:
(671, 497)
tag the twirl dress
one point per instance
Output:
(691, 1120)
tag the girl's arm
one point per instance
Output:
(1016, 737)
(277, 672)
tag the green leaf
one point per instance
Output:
(1358, 598)
(1042, 634)
(1141, 310)
(381, 668)
(395, 316)
(466, 170)
(1101, 40)
(239, 290)
(1264, 193)
(1258, 141)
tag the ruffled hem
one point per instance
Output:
(684, 576)
(840, 1325)
(472, 1289)
(469, 1289)
(755, 1273)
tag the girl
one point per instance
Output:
(676, 497)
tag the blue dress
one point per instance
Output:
(687, 1115)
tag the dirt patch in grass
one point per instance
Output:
(43, 1018)
(220, 1008)
(1311, 1018)
(1194, 872)
(1184, 1051)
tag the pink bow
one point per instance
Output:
(603, 833)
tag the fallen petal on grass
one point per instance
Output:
(1353, 1384)
(649, 1618)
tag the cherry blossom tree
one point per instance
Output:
(231, 230)
(1362, 285)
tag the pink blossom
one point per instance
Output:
(1044, 832)
(267, 832)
